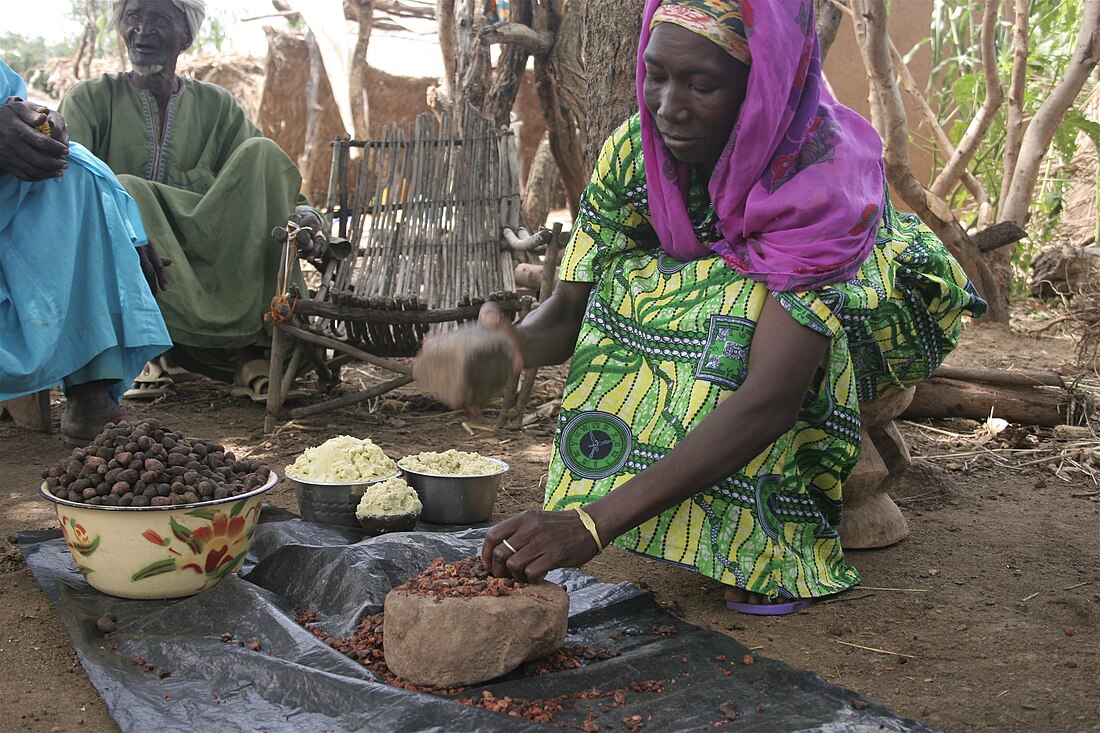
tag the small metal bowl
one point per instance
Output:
(331, 503)
(376, 524)
(456, 499)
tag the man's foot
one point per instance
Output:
(88, 407)
(757, 604)
(153, 382)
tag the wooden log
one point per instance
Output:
(529, 276)
(1001, 376)
(942, 397)
(549, 268)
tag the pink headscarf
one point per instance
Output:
(799, 188)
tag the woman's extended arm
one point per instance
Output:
(548, 334)
(782, 361)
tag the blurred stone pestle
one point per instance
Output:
(465, 367)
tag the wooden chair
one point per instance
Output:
(420, 216)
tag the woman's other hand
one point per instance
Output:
(26, 151)
(542, 542)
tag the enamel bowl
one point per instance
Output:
(160, 552)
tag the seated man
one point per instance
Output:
(209, 187)
(74, 307)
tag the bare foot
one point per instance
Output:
(740, 595)
(757, 604)
(88, 407)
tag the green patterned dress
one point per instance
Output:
(663, 342)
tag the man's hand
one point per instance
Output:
(152, 266)
(310, 237)
(59, 128)
(26, 151)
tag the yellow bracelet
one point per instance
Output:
(590, 525)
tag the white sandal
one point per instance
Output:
(153, 382)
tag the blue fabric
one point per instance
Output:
(74, 305)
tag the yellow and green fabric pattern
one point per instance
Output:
(663, 342)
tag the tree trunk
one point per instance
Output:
(869, 17)
(828, 21)
(363, 12)
(313, 152)
(610, 49)
(1016, 201)
(510, 67)
(472, 66)
(1014, 114)
(90, 11)
(560, 84)
(448, 45)
(543, 186)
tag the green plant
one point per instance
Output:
(956, 89)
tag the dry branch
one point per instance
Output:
(997, 236)
(1016, 201)
(979, 126)
(1014, 117)
(943, 143)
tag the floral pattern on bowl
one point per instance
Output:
(160, 552)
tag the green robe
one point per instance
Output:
(209, 187)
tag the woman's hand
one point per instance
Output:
(491, 317)
(25, 151)
(542, 542)
(152, 267)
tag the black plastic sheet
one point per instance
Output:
(295, 682)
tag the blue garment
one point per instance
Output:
(74, 305)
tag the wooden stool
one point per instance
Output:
(30, 411)
(871, 518)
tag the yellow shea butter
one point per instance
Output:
(343, 459)
(450, 463)
(388, 498)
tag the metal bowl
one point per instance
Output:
(456, 499)
(330, 503)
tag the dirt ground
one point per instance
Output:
(989, 611)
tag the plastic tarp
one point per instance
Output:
(295, 682)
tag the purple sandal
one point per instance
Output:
(769, 609)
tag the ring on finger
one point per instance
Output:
(508, 544)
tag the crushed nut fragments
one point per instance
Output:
(466, 578)
(462, 578)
